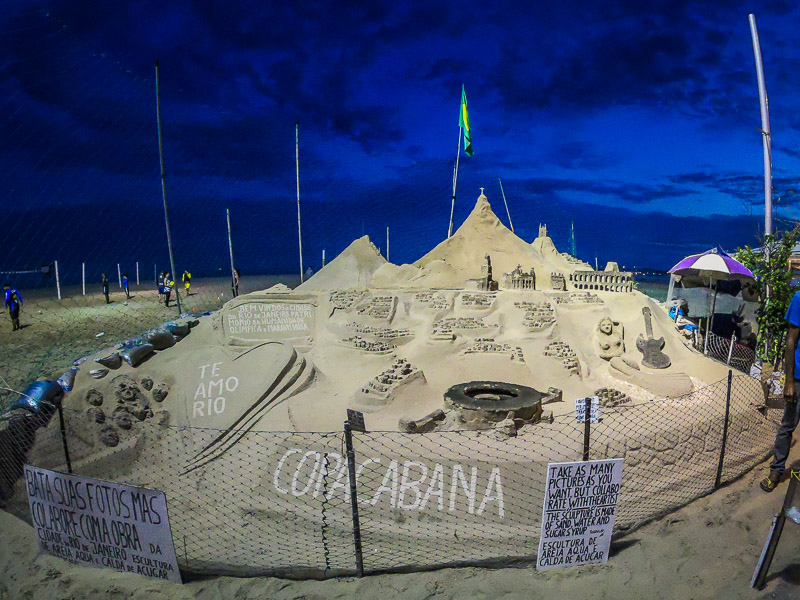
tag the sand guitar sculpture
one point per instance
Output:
(651, 348)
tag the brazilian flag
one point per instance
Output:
(463, 122)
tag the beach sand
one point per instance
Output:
(706, 550)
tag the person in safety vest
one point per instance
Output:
(168, 283)
(187, 281)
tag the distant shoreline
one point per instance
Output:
(93, 288)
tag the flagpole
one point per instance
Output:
(506, 203)
(455, 182)
(765, 132)
(230, 251)
(164, 190)
(297, 165)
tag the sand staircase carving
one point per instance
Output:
(296, 375)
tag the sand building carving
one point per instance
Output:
(519, 280)
(558, 282)
(604, 281)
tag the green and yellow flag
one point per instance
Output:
(463, 122)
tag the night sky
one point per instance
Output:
(637, 120)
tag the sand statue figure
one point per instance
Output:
(609, 338)
(486, 283)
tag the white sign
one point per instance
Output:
(580, 504)
(101, 524)
(580, 409)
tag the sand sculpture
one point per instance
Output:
(396, 342)
(391, 339)
(609, 339)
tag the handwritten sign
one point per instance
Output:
(580, 410)
(261, 319)
(579, 508)
(101, 524)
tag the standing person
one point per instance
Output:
(105, 288)
(791, 414)
(235, 285)
(168, 283)
(14, 304)
(187, 281)
(309, 272)
(126, 286)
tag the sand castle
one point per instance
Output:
(482, 305)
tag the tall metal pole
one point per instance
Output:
(387, 244)
(506, 203)
(164, 191)
(119, 275)
(455, 181)
(297, 166)
(58, 281)
(137, 272)
(83, 277)
(765, 132)
(230, 250)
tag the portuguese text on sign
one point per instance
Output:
(579, 508)
(580, 410)
(270, 318)
(101, 524)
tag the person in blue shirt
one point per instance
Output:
(126, 286)
(14, 304)
(791, 414)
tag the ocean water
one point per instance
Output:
(653, 286)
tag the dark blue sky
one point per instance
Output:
(637, 120)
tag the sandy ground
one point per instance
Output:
(56, 332)
(706, 550)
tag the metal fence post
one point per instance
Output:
(730, 349)
(351, 469)
(587, 427)
(718, 480)
(64, 438)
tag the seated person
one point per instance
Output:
(678, 313)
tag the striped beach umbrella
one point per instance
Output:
(712, 264)
(716, 265)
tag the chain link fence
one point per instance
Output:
(279, 503)
(730, 351)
